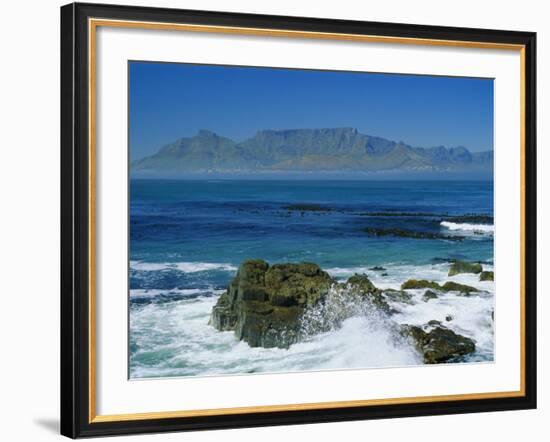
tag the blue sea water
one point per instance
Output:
(187, 238)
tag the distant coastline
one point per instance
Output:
(341, 152)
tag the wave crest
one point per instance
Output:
(486, 229)
(185, 267)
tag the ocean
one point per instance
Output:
(188, 237)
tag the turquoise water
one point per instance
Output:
(187, 238)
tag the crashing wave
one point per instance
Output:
(486, 229)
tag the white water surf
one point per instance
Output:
(174, 338)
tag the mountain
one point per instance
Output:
(313, 150)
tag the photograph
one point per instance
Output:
(292, 220)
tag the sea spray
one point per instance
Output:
(360, 334)
(341, 302)
(174, 339)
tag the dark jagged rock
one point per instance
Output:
(437, 343)
(420, 284)
(376, 231)
(296, 284)
(378, 269)
(263, 304)
(449, 286)
(429, 294)
(398, 296)
(449, 318)
(361, 284)
(464, 267)
(487, 276)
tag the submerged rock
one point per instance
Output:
(398, 296)
(437, 343)
(429, 294)
(263, 304)
(471, 218)
(307, 207)
(451, 286)
(487, 276)
(394, 231)
(464, 267)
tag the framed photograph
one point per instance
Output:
(274, 220)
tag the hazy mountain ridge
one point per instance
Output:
(315, 150)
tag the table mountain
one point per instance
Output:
(340, 149)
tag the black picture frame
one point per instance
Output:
(75, 221)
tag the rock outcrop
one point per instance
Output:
(420, 284)
(361, 285)
(429, 294)
(487, 276)
(458, 267)
(437, 343)
(263, 304)
(449, 286)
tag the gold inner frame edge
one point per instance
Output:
(93, 24)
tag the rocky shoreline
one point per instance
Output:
(282, 304)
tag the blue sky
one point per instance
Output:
(173, 100)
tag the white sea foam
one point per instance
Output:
(487, 229)
(186, 345)
(394, 274)
(191, 267)
(186, 267)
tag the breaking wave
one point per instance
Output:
(186, 267)
(484, 229)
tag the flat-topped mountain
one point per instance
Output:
(314, 150)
